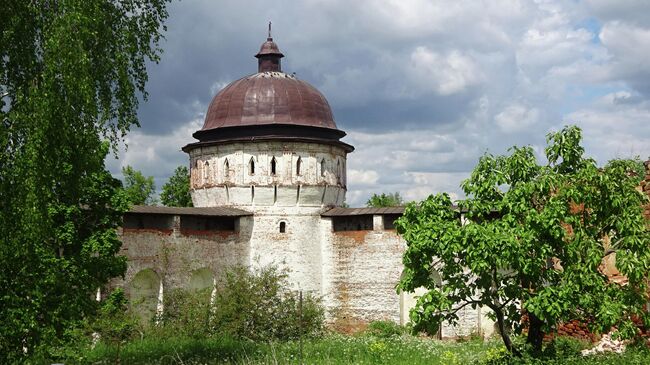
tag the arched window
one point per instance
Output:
(283, 227)
(273, 165)
(338, 171)
(322, 167)
(251, 166)
(226, 168)
(206, 172)
(298, 163)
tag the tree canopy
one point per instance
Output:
(71, 72)
(533, 237)
(139, 190)
(176, 191)
(385, 200)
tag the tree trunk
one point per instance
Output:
(535, 333)
(503, 331)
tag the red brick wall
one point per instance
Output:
(577, 329)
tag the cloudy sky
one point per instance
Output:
(422, 87)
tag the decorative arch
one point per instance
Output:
(299, 166)
(251, 166)
(201, 279)
(322, 167)
(338, 171)
(274, 164)
(144, 293)
(226, 168)
(206, 172)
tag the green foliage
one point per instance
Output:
(70, 74)
(385, 200)
(139, 190)
(385, 329)
(257, 305)
(566, 347)
(536, 237)
(114, 323)
(187, 313)
(176, 191)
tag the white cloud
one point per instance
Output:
(363, 177)
(446, 74)
(423, 88)
(516, 118)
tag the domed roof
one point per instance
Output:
(269, 104)
(270, 97)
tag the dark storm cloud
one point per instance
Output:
(423, 88)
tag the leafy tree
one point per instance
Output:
(385, 200)
(114, 323)
(70, 75)
(139, 190)
(535, 239)
(176, 192)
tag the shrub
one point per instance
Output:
(187, 313)
(565, 347)
(385, 329)
(256, 304)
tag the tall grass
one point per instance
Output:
(337, 349)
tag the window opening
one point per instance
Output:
(226, 168)
(251, 167)
(322, 167)
(298, 163)
(252, 194)
(283, 227)
(338, 171)
(273, 163)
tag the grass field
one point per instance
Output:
(335, 349)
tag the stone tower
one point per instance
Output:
(269, 145)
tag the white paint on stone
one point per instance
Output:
(354, 272)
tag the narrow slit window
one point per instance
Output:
(226, 168)
(298, 165)
(252, 194)
(251, 167)
(322, 167)
(283, 227)
(206, 172)
(338, 171)
(273, 165)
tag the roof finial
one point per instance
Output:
(270, 38)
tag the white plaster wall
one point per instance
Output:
(297, 249)
(360, 270)
(221, 174)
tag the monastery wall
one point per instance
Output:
(289, 238)
(360, 271)
(171, 251)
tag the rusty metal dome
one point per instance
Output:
(270, 97)
(269, 104)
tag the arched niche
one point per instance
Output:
(201, 279)
(144, 290)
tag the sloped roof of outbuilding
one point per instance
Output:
(201, 211)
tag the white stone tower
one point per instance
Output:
(270, 145)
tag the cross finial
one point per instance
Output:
(270, 30)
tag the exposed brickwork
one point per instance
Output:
(576, 328)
